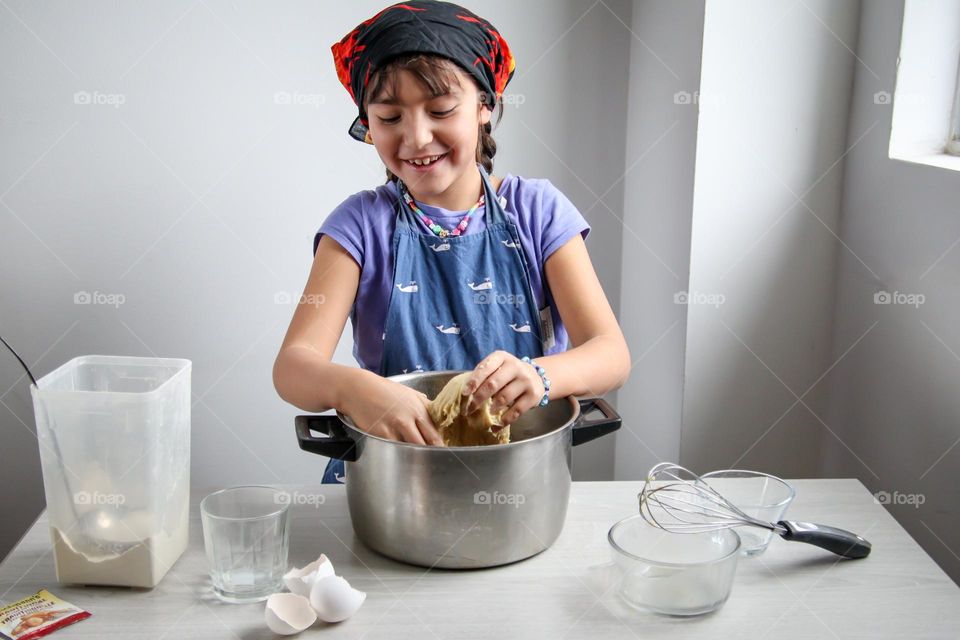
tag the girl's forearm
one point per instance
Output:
(599, 365)
(307, 380)
(312, 383)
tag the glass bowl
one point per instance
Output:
(676, 574)
(757, 494)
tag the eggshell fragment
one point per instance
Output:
(334, 599)
(300, 580)
(289, 613)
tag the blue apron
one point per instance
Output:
(456, 299)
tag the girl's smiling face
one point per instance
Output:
(409, 121)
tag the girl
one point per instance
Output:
(444, 267)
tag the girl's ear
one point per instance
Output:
(485, 114)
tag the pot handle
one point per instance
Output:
(338, 445)
(587, 430)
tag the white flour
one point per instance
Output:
(143, 565)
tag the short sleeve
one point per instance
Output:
(560, 218)
(345, 225)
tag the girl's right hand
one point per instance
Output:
(390, 410)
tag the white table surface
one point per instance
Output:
(791, 591)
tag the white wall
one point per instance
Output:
(894, 401)
(570, 129)
(198, 197)
(772, 133)
(658, 184)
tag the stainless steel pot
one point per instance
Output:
(460, 507)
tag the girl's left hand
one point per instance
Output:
(510, 381)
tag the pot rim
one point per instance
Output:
(484, 447)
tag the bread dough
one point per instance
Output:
(458, 430)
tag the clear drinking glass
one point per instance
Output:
(246, 534)
(757, 494)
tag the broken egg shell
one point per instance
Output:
(288, 613)
(300, 580)
(334, 599)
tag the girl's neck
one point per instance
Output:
(459, 196)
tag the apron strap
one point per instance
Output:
(494, 211)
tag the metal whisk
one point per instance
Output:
(676, 499)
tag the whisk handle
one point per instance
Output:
(839, 541)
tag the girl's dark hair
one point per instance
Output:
(435, 74)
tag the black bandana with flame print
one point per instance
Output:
(421, 26)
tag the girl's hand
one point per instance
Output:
(391, 410)
(510, 381)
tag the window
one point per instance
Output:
(925, 118)
(953, 145)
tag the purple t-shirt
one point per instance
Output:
(364, 224)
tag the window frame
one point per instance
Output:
(953, 144)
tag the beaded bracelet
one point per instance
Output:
(543, 376)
